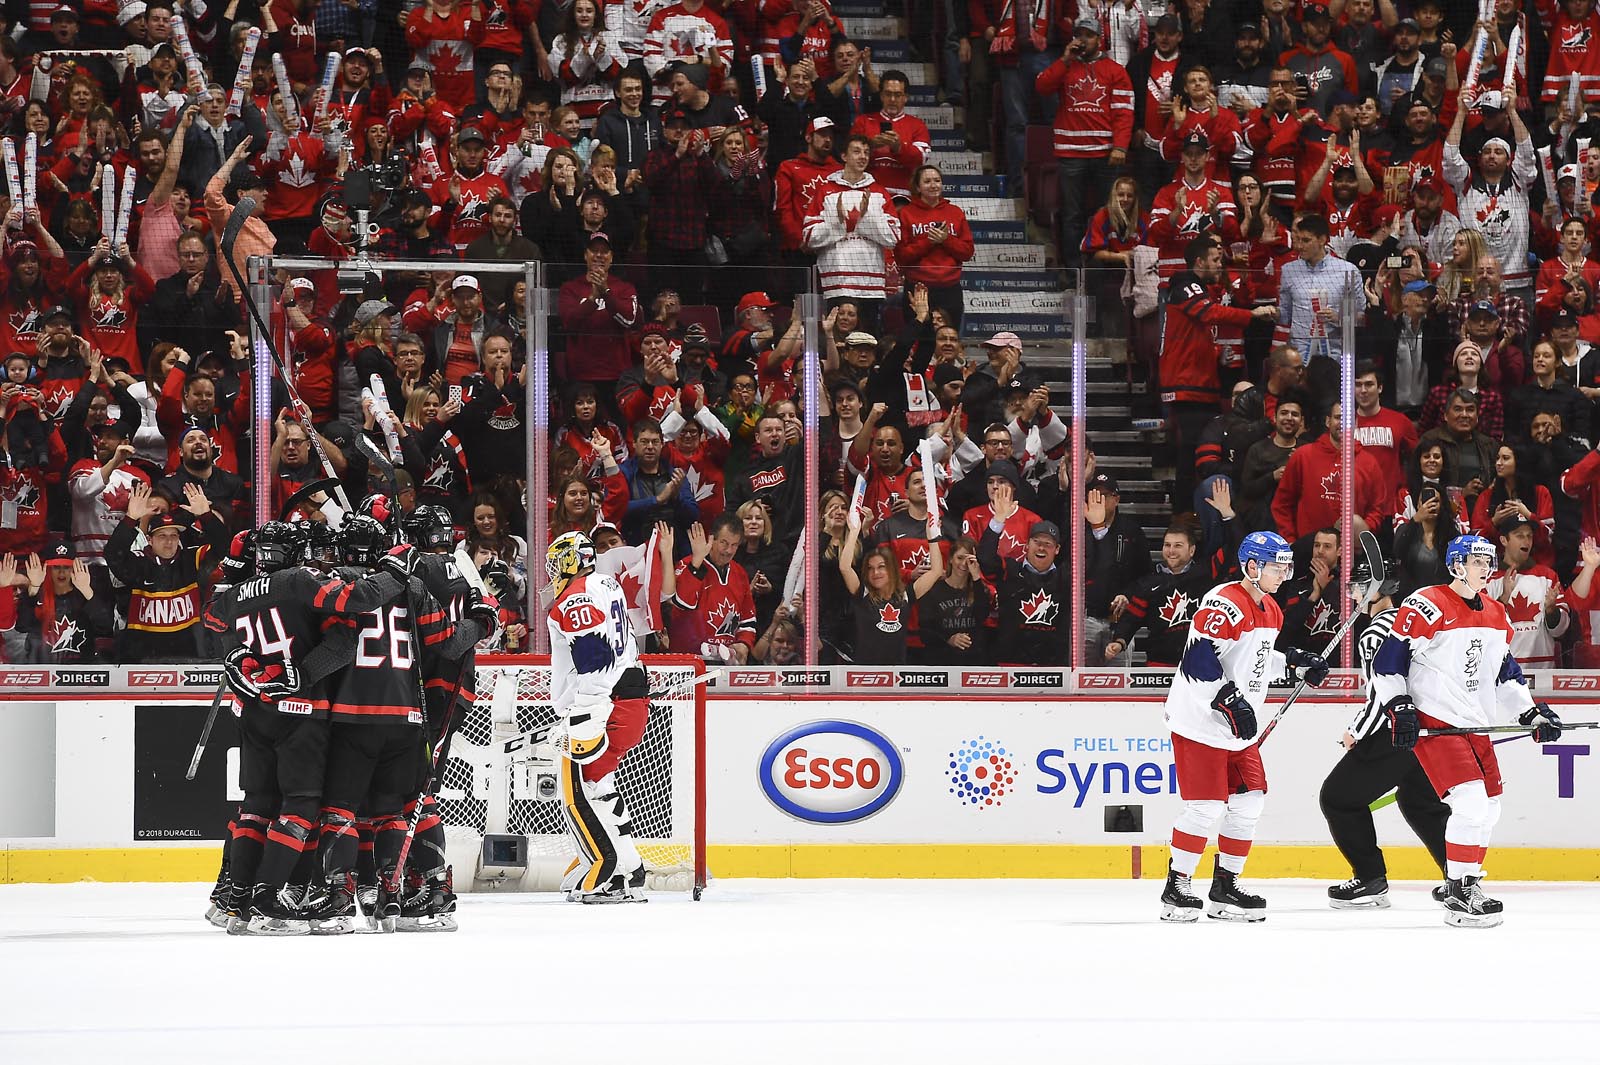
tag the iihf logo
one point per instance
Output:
(981, 773)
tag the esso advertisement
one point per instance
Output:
(831, 772)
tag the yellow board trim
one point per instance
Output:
(867, 861)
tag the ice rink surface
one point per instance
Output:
(810, 971)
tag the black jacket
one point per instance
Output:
(1035, 611)
(1113, 561)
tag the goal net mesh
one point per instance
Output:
(486, 791)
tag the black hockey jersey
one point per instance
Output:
(450, 588)
(279, 616)
(1035, 609)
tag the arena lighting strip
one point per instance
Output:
(811, 311)
(1077, 483)
(536, 340)
(1347, 462)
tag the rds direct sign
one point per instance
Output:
(831, 772)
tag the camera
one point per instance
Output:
(1394, 262)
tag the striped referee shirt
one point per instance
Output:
(1370, 717)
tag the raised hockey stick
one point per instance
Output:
(1376, 570)
(1494, 730)
(230, 234)
(205, 733)
(531, 739)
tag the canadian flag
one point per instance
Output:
(638, 570)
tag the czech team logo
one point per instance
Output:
(981, 773)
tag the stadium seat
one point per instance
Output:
(706, 316)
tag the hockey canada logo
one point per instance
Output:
(981, 773)
(831, 772)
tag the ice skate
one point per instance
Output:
(617, 889)
(1230, 902)
(1466, 906)
(1359, 894)
(217, 912)
(430, 908)
(271, 914)
(1179, 904)
(1441, 894)
(387, 910)
(334, 912)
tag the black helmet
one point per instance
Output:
(429, 527)
(322, 544)
(365, 541)
(383, 510)
(279, 545)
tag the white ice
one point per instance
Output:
(809, 971)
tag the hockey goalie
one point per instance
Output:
(601, 698)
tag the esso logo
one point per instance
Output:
(831, 772)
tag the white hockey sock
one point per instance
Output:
(1472, 818)
(1190, 832)
(1239, 829)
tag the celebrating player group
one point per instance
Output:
(1439, 671)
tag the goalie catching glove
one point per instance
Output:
(267, 682)
(1544, 722)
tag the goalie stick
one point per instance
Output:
(1376, 573)
(230, 234)
(534, 737)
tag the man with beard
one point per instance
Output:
(1428, 225)
(1326, 68)
(1494, 199)
(197, 466)
(1310, 600)
(1398, 73)
(414, 238)
(1242, 83)
(1164, 602)
(500, 243)
(468, 191)
(64, 365)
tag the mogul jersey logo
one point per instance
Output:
(981, 773)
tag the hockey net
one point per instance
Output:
(491, 798)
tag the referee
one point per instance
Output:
(1370, 768)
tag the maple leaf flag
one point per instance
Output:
(638, 570)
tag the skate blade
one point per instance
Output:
(238, 926)
(437, 923)
(608, 899)
(333, 926)
(275, 926)
(1473, 920)
(217, 917)
(1366, 902)
(1179, 914)
(1223, 912)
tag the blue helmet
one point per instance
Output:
(1464, 547)
(1264, 547)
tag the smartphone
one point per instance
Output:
(1394, 262)
(1302, 83)
(455, 394)
(885, 127)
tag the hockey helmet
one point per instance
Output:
(279, 545)
(383, 510)
(429, 527)
(1264, 547)
(364, 541)
(1469, 546)
(239, 564)
(571, 555)
(322, 544)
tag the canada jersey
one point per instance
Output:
(1453, 660)
(1230, 641)
(591, 642)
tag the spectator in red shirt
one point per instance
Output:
(899, 139)
(935, 241)
(679, 173)
(597, 311)
(443, 35)
(716, 614)
(110, 304)
(1309, 495)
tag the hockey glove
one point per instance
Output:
(1544, 722)
(400, 561)
(485, 611)
(1236, 711)
(1403, 726)
(585, 736)
(1313, 667)
(267, 682)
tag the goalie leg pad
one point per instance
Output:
(593, 827)
(615, 808)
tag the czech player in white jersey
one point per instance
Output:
(1212, 709)
(1447, 664)
(599, 689)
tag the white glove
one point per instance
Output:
(586, 738)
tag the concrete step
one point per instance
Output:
(1030, 257)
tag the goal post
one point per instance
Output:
(501, 807)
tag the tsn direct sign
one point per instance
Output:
(831, 772)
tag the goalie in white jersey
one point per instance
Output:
(1212, 707)
(1447, 663)
(599, 689)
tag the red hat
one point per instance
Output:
(752, 300)
(655, 329)
(1386, 214)
(1431, 182)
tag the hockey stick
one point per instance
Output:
(433, 759)
(205, 733)
(1494, 730)
(529, 740)
(1376, 571)
(230, 234)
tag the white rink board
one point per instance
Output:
(1067, 754)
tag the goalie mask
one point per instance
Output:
(364, 541)
(279, 545)
(571, 555)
